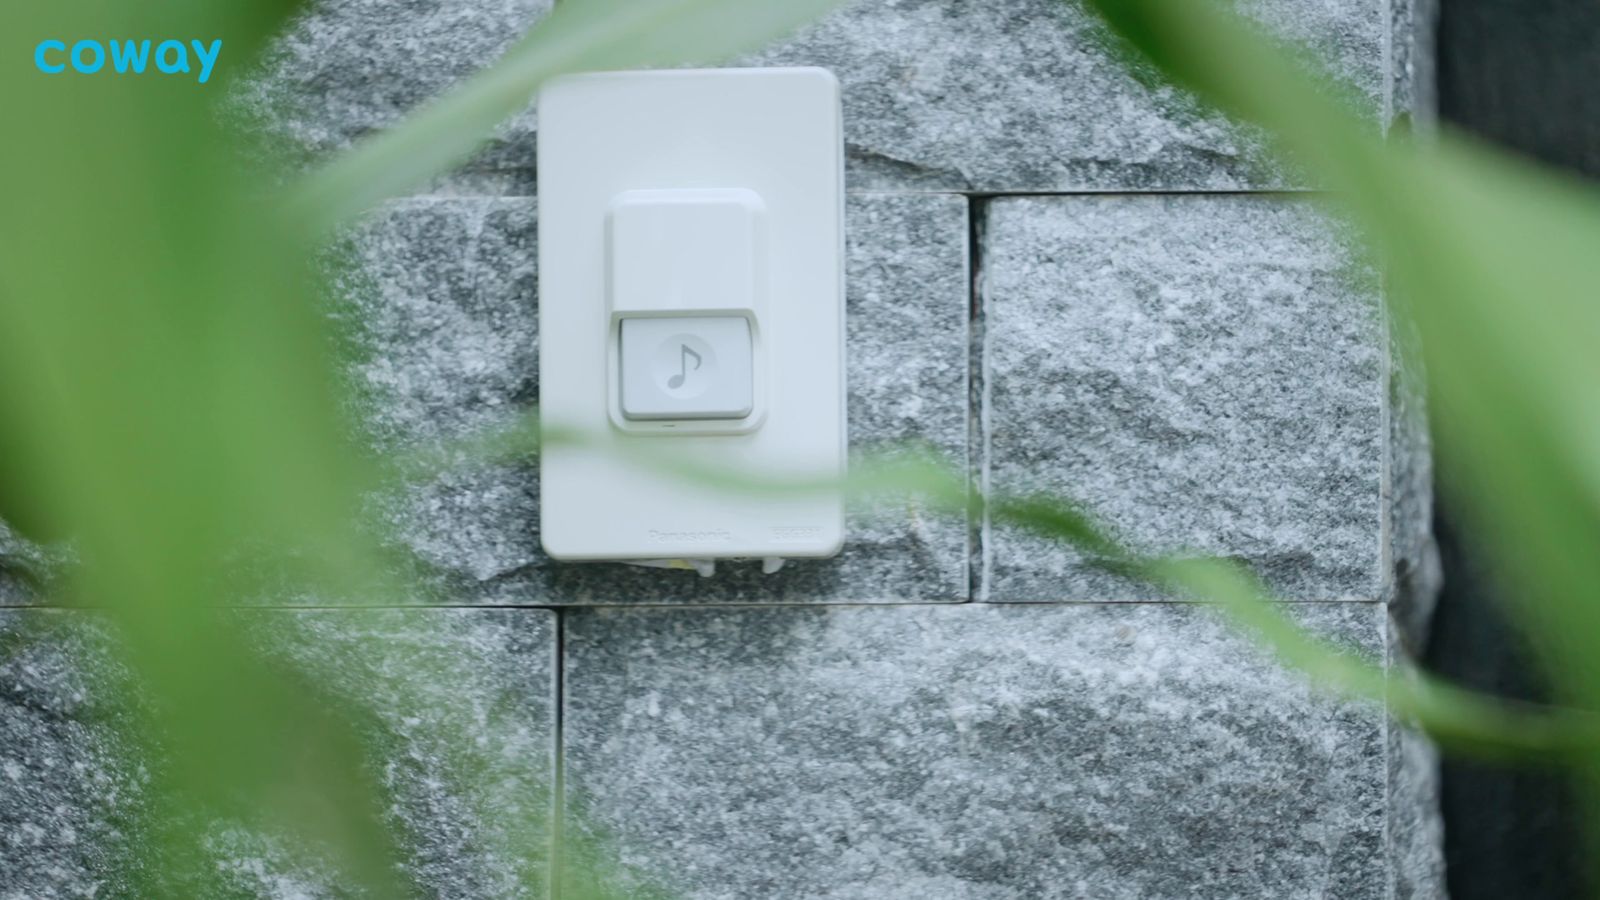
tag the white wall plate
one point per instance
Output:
(691, 307)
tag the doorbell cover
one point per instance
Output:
(691, 314)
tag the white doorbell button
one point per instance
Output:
(686, 367)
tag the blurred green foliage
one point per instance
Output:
(170, 401)
(1494, 261)
(170, 398)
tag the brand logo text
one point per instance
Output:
(690, 537)
(90, 57)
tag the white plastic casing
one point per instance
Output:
(702, 197)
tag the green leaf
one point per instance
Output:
(170, 400)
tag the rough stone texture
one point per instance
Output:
(23, 564)
(942, 95)
(350, 67)
(15, 586)
(14, 589)
(446, 297)
(988, 751)
(1416, 830)
(1203, 373)
(1415, 93)
(445, 302)
(452, 691)
(1416, 826)
(1416, 575)
(1029, 95)
(465, 751)
(70, 780)
(1416, 822)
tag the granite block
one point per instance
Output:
(1017, 95)
(1414, 26)
(1416, 819)
(460, 739)
(1032, 95)
(1416, 574)
(442, 300)
(24, 565)
(1204, 374)
(993, 751)
(14, 589)
(1416, 824)
(444, 294)
(347, 68)
(72, 781)
(465, 748)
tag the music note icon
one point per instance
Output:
(685, 352)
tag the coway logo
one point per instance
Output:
(91, 57)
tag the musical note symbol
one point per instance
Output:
(677, 380)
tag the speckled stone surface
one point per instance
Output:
(1416, 822)
(1029, 95)
(974, 751)
(465, 751)
(445, 294)
(1204, 373)
(452, 691)
(443, 298)
(346, 68)
(71, 782)
(1413, 556)
(23, 564)
(939, 94)
(1413, 26)
(13, 589)
(1416, 827)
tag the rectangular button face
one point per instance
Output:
(677, 367)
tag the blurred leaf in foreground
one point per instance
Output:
(166, 396)
(169, 399)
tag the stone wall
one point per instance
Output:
(1059, 276)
